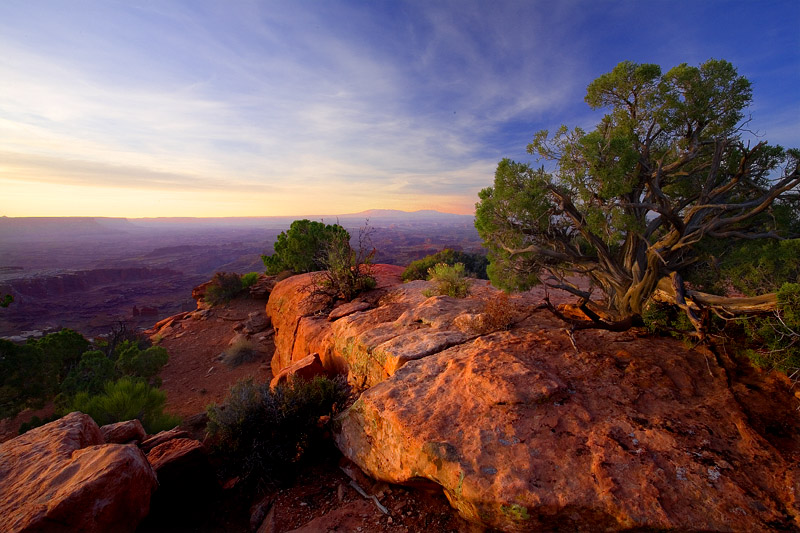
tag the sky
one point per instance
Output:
(200, 108)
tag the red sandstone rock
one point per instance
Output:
(123, 432)
(306, 368)
(262, 287)
(153, 441)
(174, 451)
(348, 309)
(526, 434)
(61, 477)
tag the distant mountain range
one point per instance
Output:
(15, 229)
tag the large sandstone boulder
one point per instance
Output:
(63, 477)
(526, 433)
(129, 431)
(368, 340)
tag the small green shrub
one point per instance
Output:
(224, 287)
(261, 434)
(665, 319)
(240, 352)
(126, 399)
(474, 264)
(249, 279)
(776, 338)
(91, 374)
(449, 280)
(131, 361)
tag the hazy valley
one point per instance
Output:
(90, 273)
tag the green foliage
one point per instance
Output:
(666, 319)
(346, 271)
(776, 339)
(450, 280)
(662, 179)
(262, 434)
(475, 264)
(751, 267)
(146, 364)
(303, 247)
(249, 279)
(27, 378)
(63, 348)
(6, 300)
(91, 374)
(224, 287)
(126, 399)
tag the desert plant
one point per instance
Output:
(249, 279)
(302, 247)
(126, 399)
(664, 173)
(146, 364)
(776, 337)
(449, 280)
(260, 434)
(474, 264)
(346, 271)
(93, 371)
(240, 352)
(223, 288)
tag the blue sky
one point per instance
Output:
(211, 108)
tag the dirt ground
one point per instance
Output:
(194, 377)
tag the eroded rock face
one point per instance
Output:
(306, 368)
(123, 432)
(525, 433)
(63, 477)
(369, 340)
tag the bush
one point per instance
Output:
(261, 434)
(499, 313)
(91, 374)
(666, 319)
(224, 287)
(126, 399)
(777, 337)
(474, 264)
(346, 271)
(249, 279)
(240, 352)
(27, 377)
(449, 280)
(302, 248)
(146, 364)
(63, 348)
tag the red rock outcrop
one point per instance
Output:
(62, 477)
(123, 432)
(534, 429)
(525, 433)
(306, 368)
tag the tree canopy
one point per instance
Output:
(665, 173)
(303, 248)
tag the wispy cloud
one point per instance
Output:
(331, 104)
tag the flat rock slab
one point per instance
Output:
(524, 433)
(63, 477)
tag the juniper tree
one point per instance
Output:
(665, 171)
